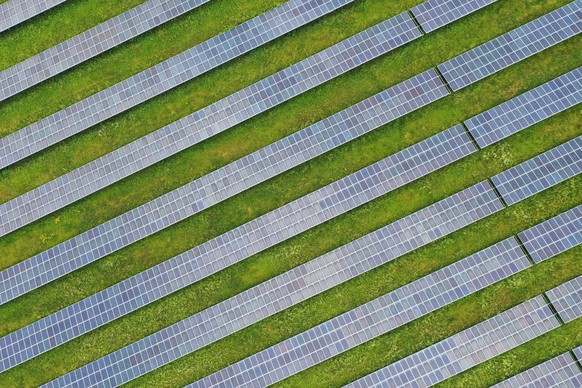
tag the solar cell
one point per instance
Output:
(17, 11)
(527, 109)
(260, 234)
(541, 172)
(373, 319)
(513, 46)
(185, 66)
(554, 236)
(91, 43)
(376, 248)
(234, 109)
(466, 349)
(433, 14)
(578, 353)
(560, 371)
(567, 299)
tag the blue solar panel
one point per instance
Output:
(554, 236)
(14, 12)
(236, 245)
(175, 71)
(513, 46)
(433, 14)
(567, 299)
(379, 247)
(578, 353)
(527, 109)
(539, 173)
(374, 318)
(91, 43)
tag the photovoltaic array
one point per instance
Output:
(375, 318)
(560, 371)
(238, 244)
(91, 43)
(527, 109)
(350, 260)
(173, 72)
(467, 348)
(554, 236)
(228, 112)
(513, 46)
(433, 14)
(567, 299)
(541, 172)
(14, 12)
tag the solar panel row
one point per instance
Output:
(175, 71)
(466, 349)
(381, 246)
(220, 116)
(236, 245)
(554, 236)
(541, 172)
(513, 46)
(434, 14)
(567, 299)
(374, 318)
(91, 43)
(14, 12)
(527, 109)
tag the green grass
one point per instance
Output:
(289, 117)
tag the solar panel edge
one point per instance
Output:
(20, 17)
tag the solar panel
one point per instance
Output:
(434, 14)
(539, 173)
(466, 349)
(177, 70)
(560, 371)
(554, 236)
(513, 46)
(578, 353)
(527, 109)
(240, 243)
(373, 319)
(17, 11)
(226, 113)
(91, 43)
(567, 299)
(348, 261)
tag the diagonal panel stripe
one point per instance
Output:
(567, 299)
(14, 12)
(434, 14)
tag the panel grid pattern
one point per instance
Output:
(236, 245)
(179, 69)
(567, 299)
(434, 14)
(539, 173)
(554, 236)
(383, 245)
(578, 353)
(466, 349)
(560, 371)
(513, 46)
(91, 43)
(14, 12)
(527, 109)
(226, 113)
(223, 183)
(375, 318)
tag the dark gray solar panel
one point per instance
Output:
(466, 349)
(240, 243)
(541, 172)
(234, 109)
(348, 261)
(183, 67)
(527, 109)
(433, 14)
(91, 43)
(14, 12)
(560, 371)
(375, 318)
(554, 236)
(513, 46)
(567, 299)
